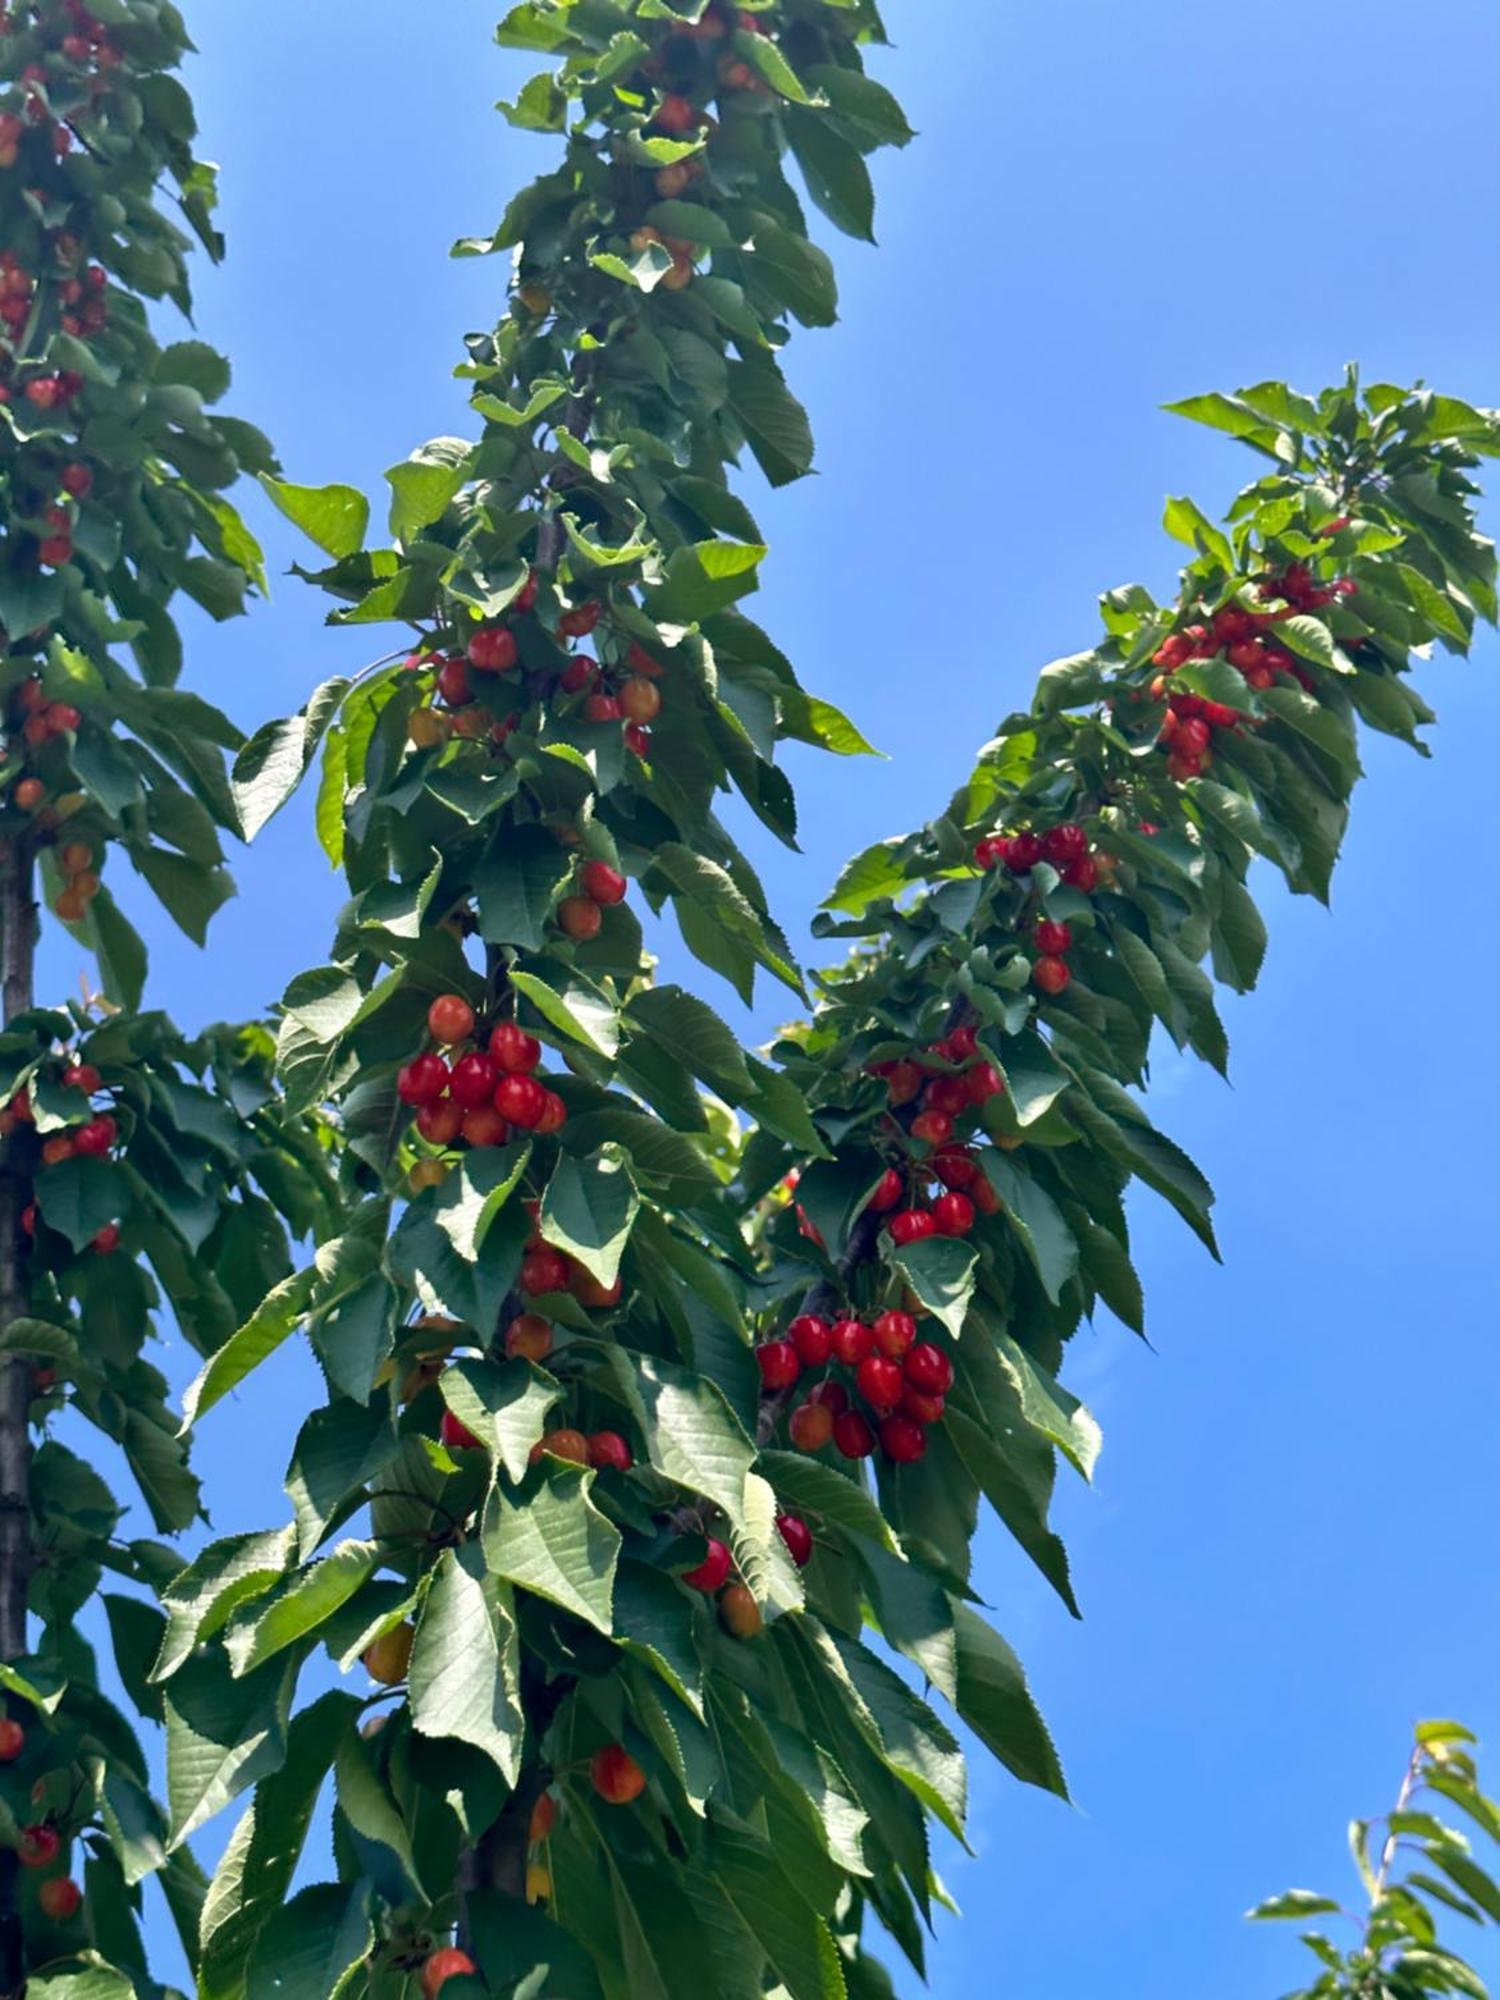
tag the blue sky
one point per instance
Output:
(1288, 1554)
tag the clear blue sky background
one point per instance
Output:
(1289, 1553)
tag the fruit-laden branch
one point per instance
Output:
(605, 1574)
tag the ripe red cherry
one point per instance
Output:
(483, 1126)
(984, 1082)
(578, 674)
(798, 1538)
(96, 1138)
(493, 651)
(928, 1370)
(811, 1425)
(955, 1169)
(933, 1128)
(616, 1776)
(637, 739)
(423, 1081)
(1054, 939)
(602, 708)
(526, 596)
(610, 1452)
(888, 1192)
(38, 1846)
(780, 1364)
(453, 683)
(521, 1100)
(675, 114)
(1062, 844)
(474, 1080)
(60, 1898)
(440, 1124)
(880, 1382)
(812, 1338)
(77, 480)
(457, 1435)
(1051, 974)
(953, 1214)
(107, 1239)
(902, 1441)
(640, 700)
(450, 1019)
(554, 1115)
(904, 1081)
(1082, 874)
(1022, 852)
(852, 1435)
(603, 884)
(713, 1572)
(948, 1094)
(852, 1341)
(580, 621)
(894, 1333)
(911, 1225)
(449, 1963)
(514, 1050)
(580, 917)
(544, 1271)
(924, 1410)
(84, 1077)
(984, 1197)
(12, 1739)
(963, 1045)
(831, 1395)
(1192, 739)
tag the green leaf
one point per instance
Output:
(316, 1942)
(517, 883)
(654, 1620)
(465, 1678)
(1037, 1221)
(222, 1735)
(589, 1209)
(837, 178)
(1295, 1903)
(693, 1436)
(577, 1008)
(260, 1336)
(421, 490)
(797, 1943)
(1188, 523)
(941, 1273)
(996, 1703)
(335, 517)
(690, 1031)
(79, 1196)
(302, 1607)
(552, 1540)
(275, 760)
(504, 1404)
(1050, 1408)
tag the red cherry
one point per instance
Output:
(458, 1435)
(894, 1333)
(953, 1214)
(423, 1081)
(812, 1338)
(1051, 974)
(96, 1138)
(831, 1395)
(963, 1044)
(640, 701)
(544, 1271)
(580, 621)
(616, 1776)
(38, 1846)
(924, 1410)
(483, 1126)
(1022, 852)
(954, 1169)
(453, 683)
(106, 1240)
(602, 708)
(514, 1050)
(780, 1364)
(948, 1094)
(852, 1435)
(1054, 939)
(580, 917)
(798, 1538)
(811, 1425)
(889, 1190)
(449, 1963)
(1082, 874)
(933, 1128)
(911, 1225)
(77, 480)
(554, 1115)
(928, 1370)
(880, 1382)
(603, 884)
(675, 114)
(712, 1573)
(984, 1196)
(450, 1019)
(493, 651)
(609, 1452)
(12, 1739)
(984, 1082)
(60, 1898)
(1192, 739)
(84, 1077)
(474, 1080)
(1062, 844)
(637, 739)
(902, 1441)
(578, 674)
(440, 1124)
(904, 1081)
(521, 1100)
(852, 1341)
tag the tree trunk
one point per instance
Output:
(18, 929)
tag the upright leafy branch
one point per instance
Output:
(603, 1388)
(1415, 1867)
(138, 1168)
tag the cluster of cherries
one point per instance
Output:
(92, 1138)
(478, 1096)
(945, 1083)
(891, 1392)
(628, 696)
(39, 1845)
